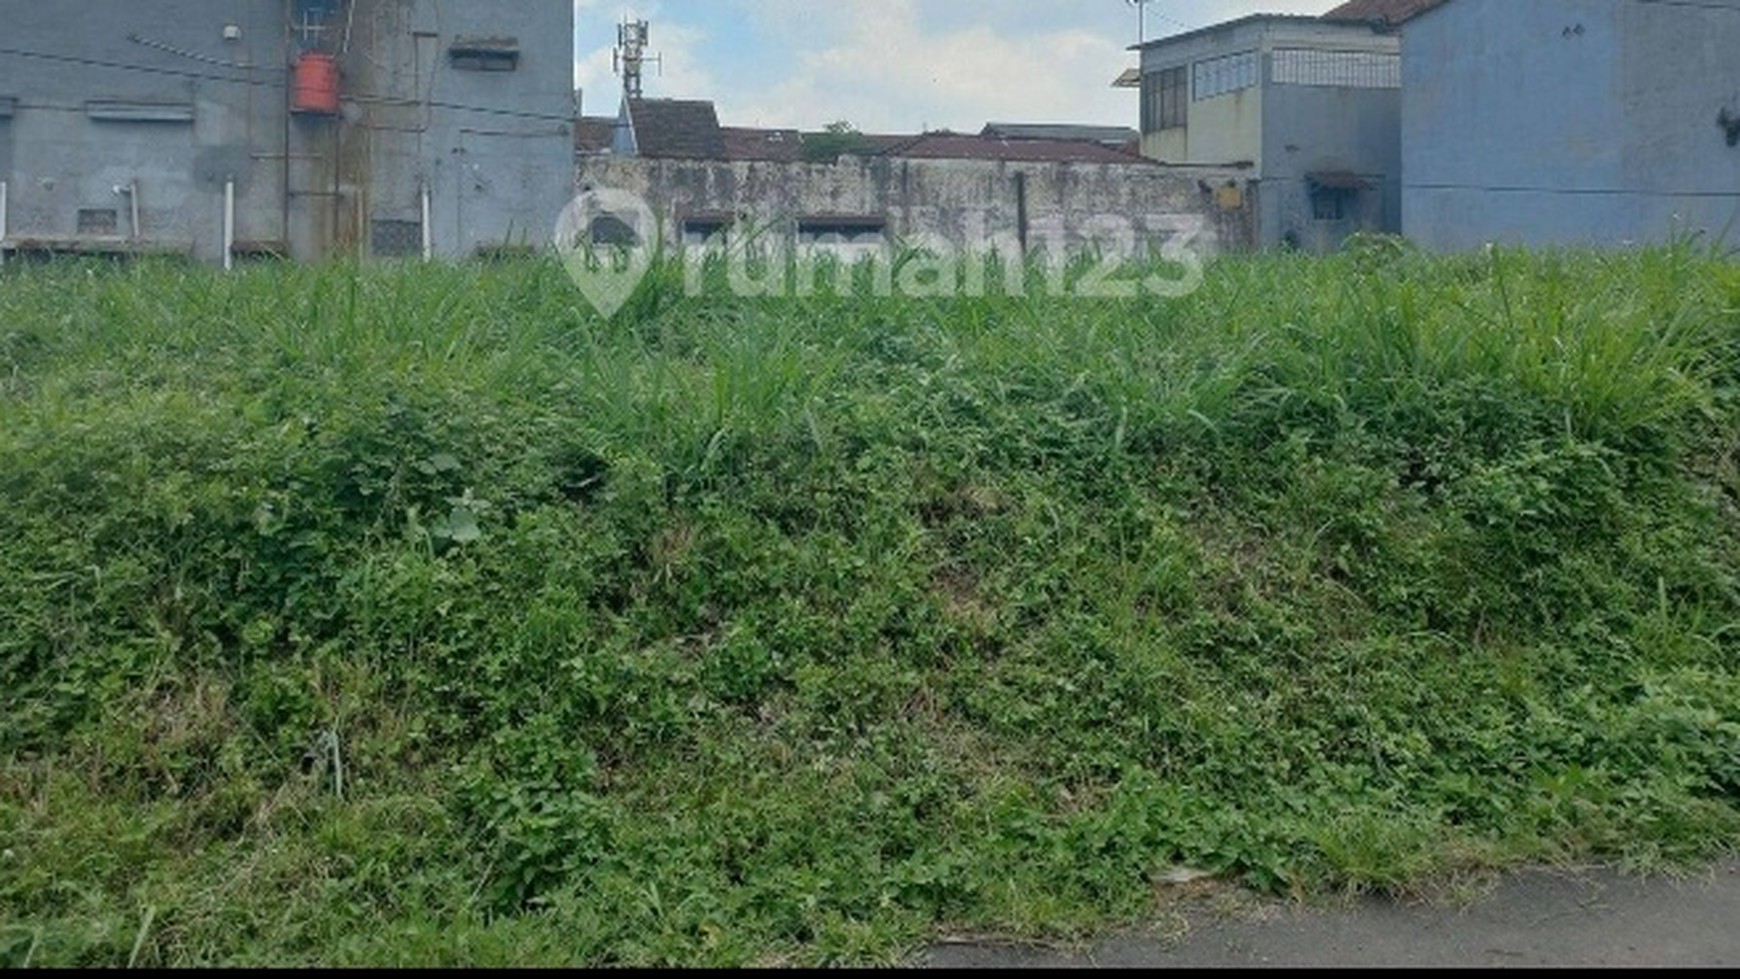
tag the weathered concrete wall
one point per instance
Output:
(965, 203)
(1570, 122)
(1315, 129)
(6, 110)
(495, 147)
(65, 159)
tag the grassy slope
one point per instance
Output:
(791, 631)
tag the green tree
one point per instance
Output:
(836, 139)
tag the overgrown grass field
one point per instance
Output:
(419, 615)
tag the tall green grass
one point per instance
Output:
(418, 615)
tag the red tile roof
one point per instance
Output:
(676, 129)
(594, 134)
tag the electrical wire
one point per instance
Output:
(146, 42)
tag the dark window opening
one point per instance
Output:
(841, 230)
(396, 239)
(610, 231)
(700, 231)
(485, 54)
(1331, 203)
(1165, 100)
(99, 222)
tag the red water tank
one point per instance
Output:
(315, 89)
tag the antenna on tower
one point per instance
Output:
(630, 58)
(1141, 19)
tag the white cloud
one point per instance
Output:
(889, 72)
(896, 65)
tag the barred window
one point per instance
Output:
(1337, 69)
(1164, 99)
(1220, 76)
(1331, 203)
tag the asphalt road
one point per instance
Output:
(1546, 917)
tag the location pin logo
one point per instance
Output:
(607, 239)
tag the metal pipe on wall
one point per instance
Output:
(428, 232)
(133, 210)
(229, 225)
(3, 231)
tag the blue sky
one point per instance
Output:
(893, 65)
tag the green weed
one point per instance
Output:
(416, 615)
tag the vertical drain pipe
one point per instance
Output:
(229, 225)
(428, 232)
(3, 230)
(133, 211)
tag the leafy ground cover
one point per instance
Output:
(418, 615)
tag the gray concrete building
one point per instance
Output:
(306, 128)
(1571, 122)
(1310, 106)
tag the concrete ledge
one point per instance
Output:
(74, 245)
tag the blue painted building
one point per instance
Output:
(1570, 122)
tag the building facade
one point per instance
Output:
(1312, 107)
(304, 128)
(1571, 122)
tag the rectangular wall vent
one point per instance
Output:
(485, 54)
(99, 222)
(395, 239)
(128, 110)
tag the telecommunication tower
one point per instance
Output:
(630, 58)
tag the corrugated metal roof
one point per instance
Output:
(1228, 25)
(1108, 135)
(954, 146)
(1388, 13)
